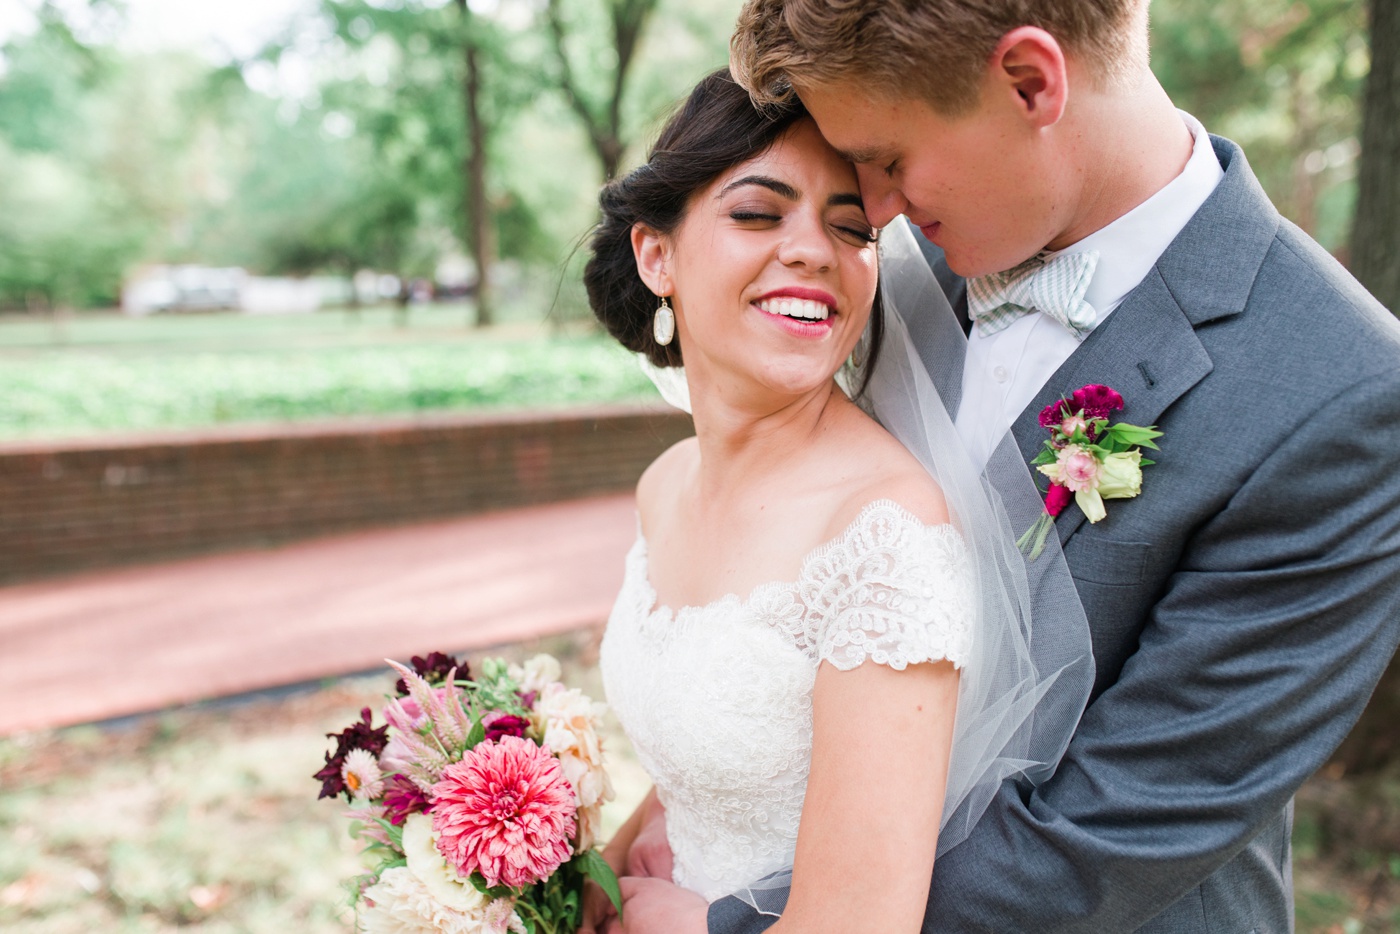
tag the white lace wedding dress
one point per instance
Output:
(717, 699)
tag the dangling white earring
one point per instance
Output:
(663, 326)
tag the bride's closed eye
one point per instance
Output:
(859, 233)
(855, 231)
(744, 217)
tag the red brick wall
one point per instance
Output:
(71, 505)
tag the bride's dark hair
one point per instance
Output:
(716, 128)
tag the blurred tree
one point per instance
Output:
(605, 64)
(1374, 744)
(476, 205)
(1280, 77)
(1375, 242)
(67, 230)
(432, 85)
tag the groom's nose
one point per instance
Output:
(882, 199)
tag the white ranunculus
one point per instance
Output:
(430, 867)
(399, 903)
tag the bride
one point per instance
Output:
(822, 650)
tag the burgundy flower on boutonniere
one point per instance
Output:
(1087, 459)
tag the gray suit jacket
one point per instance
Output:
(1242, 607)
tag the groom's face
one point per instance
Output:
(979, 184)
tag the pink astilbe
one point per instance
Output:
(451, 722)
(507, 811)
(417, 758)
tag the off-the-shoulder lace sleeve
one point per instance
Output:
(891, 590)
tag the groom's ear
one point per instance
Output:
(652, 252)
(1030, 71)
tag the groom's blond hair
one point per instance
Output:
(936, 50)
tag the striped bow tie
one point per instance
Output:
(1053, 286)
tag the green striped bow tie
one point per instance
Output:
(1053, 286)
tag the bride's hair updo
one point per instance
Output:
(717, 128)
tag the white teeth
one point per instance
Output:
(795, 308)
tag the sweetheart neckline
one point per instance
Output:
(687, 611)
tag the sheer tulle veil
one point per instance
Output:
(1022, 692)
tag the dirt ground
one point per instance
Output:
(205, 818)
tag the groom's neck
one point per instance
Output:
(1126, 145)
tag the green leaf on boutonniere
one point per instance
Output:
(1134, 435)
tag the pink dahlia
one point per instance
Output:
(507, 811)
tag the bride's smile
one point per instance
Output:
(772, 273)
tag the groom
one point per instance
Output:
(1244, 605)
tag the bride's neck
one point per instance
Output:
(742, 441)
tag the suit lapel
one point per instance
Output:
(1148, 349)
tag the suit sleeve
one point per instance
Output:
(1259, 656)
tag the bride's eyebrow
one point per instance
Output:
(785, 190)
(782, 189)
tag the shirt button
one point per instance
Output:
(1000, 374)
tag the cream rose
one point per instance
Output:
(570, 723)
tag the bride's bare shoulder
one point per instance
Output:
(667, 473)
(883, 469)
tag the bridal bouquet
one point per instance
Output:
(479, 799)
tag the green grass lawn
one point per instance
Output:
(106, 372)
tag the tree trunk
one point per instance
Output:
(1374, 742)
(476, 207)
(1375, 246)
(1375, 238)
(602, 123)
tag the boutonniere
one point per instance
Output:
(1087, 459)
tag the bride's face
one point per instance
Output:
(773, 270)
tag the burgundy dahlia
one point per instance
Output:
(505, 725)
(434, 669)
(363, 735)
(402, 798)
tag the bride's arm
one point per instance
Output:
(869, 829)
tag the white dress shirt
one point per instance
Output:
(1003, 372)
